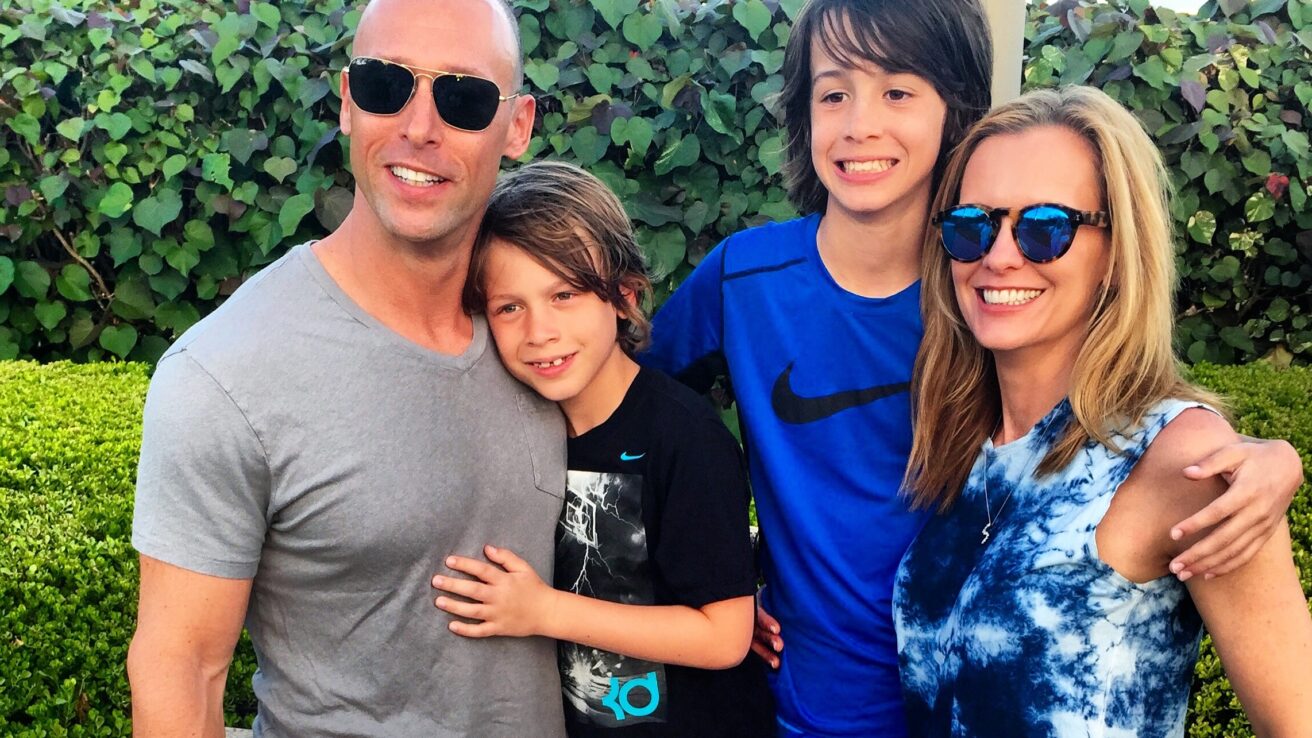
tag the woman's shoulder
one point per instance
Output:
(1191, 432)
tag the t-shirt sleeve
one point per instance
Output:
(687, 332)
(203, 479)
(704, 551)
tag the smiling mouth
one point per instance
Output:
(413, 177)
(874, 166)
(550, 363)
(1008, 297)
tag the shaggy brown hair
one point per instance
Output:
(573, 225)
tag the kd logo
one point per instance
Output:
(618, 697)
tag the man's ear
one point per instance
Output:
(521, 125)
(344, 116)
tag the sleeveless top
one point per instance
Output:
(1031, 633)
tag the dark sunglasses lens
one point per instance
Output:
(378, 87)
(967, 233)
(466, 102)
(1044, 233)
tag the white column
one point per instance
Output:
(1007, 23)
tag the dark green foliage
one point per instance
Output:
(69, 436)
(1229, 101)
(156, 154)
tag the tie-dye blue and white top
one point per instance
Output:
(1031, 633)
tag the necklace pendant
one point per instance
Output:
(985, 533)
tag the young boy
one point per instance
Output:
(654, 576)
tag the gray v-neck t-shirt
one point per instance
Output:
(293, 439)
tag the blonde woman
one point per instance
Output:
(1051, 420)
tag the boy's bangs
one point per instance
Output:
(855, 40)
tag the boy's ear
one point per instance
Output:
(629, 295)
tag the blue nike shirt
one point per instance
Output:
(821, 379)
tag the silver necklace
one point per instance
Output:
(986, 531)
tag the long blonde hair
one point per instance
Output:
(1126, 363)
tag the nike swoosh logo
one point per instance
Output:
(626, 456)
(793, 408)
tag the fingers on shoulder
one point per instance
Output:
(1190, 437)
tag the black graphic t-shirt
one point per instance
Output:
(656, 514)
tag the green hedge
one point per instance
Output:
(155, 153)
(69, 437)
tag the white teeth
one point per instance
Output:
(879, 165)
(1009, 297)
(546, 364)
(410, 176)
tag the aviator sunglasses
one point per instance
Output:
(1043, 231)
(384, 87)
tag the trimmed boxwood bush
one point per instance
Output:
(69, 436)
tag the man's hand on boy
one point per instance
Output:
(1263, 478)
(766, 641)
(508, 597)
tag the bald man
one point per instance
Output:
(314, 449)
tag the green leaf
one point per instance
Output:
(157, 211)
(6, 273)
(293, 210)
(50, 314)
(1258, 162)
(665, 248)
(279, 167)
(118, 339)
(752, 15)
(1297, 141)
(72, 128)
(643, 29)
(1259, 207)
(133, 299)
(267, 14)
(1225, 270)
(74, 283)
(615, 11)
(176, 317)
(1227, 78)
(332, 206)
(26, 126)
(1202, 226)
(123, 245)
(183, 258)
(544, 75)
(681, 153)
(243, 142)
(636, 132)
(199, 235)
(80, 329)
(143, 66)
(770, 153)
(215, 167)
(53, 187)
(116, 201)
(31, 280)
(1126, 43)
(173, 165)
(115, 151)
(589, 146)
(1238, 338)
(1153, 71)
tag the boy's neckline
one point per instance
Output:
(604, 405)
(864, 259)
